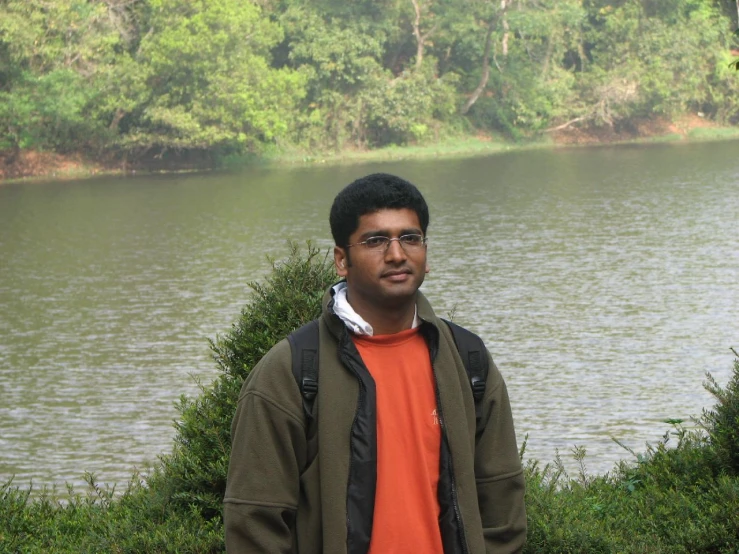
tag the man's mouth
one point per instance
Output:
(397, 274)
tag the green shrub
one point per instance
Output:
(722, 423)
(48, 112)
(194, 474)
(101, 521)
(680, 498)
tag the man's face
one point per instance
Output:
(385, 277)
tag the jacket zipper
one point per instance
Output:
(342, 345)
(351, 458)
(455, 502)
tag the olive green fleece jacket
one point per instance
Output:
(290, 493)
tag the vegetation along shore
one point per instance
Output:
(131, 85)
(679, 496)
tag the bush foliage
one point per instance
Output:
(679, 496)
(142, 78)
(194, 475)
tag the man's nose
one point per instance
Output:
(395, 251)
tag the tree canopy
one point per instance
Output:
(143, 77)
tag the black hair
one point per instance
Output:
(372, 193)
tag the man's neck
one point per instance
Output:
(386, 320)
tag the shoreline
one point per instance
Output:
(45, 167)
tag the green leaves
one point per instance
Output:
(208, 79)
(722, 422)
(222, 77)
(50, 57)
(195, 473)
(680, 496)
(47, 112)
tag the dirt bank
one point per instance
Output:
(29, 163)
(678, 129)
(43, 165)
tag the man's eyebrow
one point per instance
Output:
(386, 233)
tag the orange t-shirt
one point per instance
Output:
(406, 516)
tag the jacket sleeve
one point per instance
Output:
(268, 452)
(498, 472)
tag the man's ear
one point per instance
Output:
(341, 261)
(428, 269)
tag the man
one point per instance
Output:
(395, 461)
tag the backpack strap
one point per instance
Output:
(474, 356)
(304, 348)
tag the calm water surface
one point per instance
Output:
(604, 281)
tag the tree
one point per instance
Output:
(202, 79)
(51, 54)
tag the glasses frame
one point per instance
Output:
(388, 240)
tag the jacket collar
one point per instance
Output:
(337, 327)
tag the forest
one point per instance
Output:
(139, 79)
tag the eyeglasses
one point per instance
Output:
(381, 244)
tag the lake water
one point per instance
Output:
(605, 281)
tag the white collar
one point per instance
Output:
(353, 321)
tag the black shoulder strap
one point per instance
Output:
(475, 359)
(304, 348)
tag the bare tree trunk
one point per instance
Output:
(565, 125)
(119, 113)
(420, 37)
(583, 57)
(357, 125)
(504, 8)
(504, 4)
(547, 57)
(485, 69)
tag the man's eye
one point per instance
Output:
(375, 242)
(411, 240)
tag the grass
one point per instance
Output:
(448, 148)
(713, 133)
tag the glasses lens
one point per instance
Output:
(411, 240)
(376, 243)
